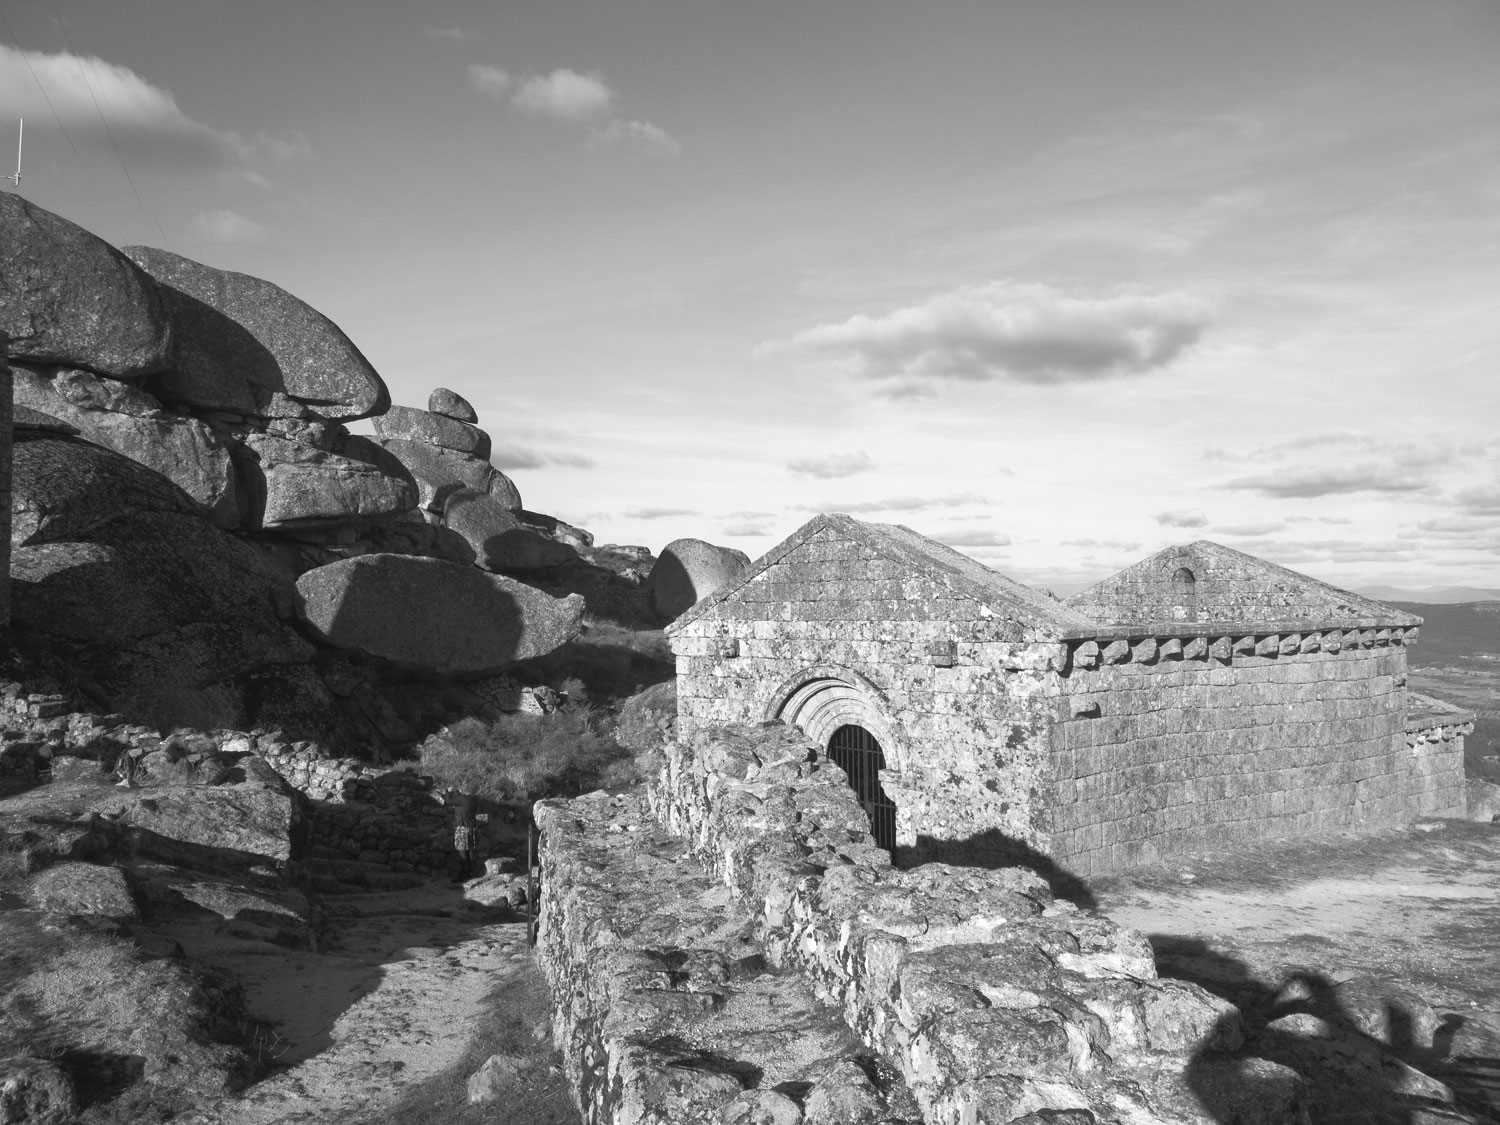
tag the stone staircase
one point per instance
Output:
(332, 871)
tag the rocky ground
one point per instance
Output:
(1393, 934)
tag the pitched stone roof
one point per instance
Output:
(1228, 588)
(963, 575)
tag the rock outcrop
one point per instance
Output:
(293, 484)
(434, 616)
(451, 404)
(440, 472)
(68, 297)
(310, 360)
(124, 418)
(435, 429)
(498, 537)
(35, 1091)
(687, 571)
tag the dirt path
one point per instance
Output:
(391, 1002)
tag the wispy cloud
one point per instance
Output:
(745, 529)
(1306, 482)
(635, 134)
(229, 227)
(1184, 517)
(899, 504)
(103, 105)
(451, 34)
(1025, 333)
(565, 94)
(658, 513)
(972, 537)
(1480, 498)
(833, 466)
(530, 457)
(1243, 530)
(489, 80)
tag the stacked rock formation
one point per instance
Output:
(182, 459)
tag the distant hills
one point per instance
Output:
(1466, 635)
(1430, 595)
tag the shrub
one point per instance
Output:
(528, 757)
(610, 662)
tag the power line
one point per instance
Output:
(119, 228)
(78, 60)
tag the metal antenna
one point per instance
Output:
(20, 137)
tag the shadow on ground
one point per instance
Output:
(1364, 1056)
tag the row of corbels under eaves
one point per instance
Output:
(1149, 650)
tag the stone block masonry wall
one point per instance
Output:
(1177, 744)
(961, 702)
(995, 1002)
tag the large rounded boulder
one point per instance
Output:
(69, 297)
(434, 616)
(687, 571)
(441, 472)
(498, 537)
(310, 359)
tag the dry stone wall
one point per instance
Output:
(1174, 743)
(994, 1001)
(665, 1009)
(962, 703)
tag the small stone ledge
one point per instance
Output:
(1162, 642)
(993, 1000)
(665, 1009)
(1431, 720)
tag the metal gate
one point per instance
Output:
(859, 755)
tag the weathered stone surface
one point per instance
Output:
(499, 539)
(433, 615)
(435, 429)
(440, 472)
(242, 820)
(688, 570)
(36, 1091)
(664, 1008)
(986, 993)
(294, 485)
(63, 488)
(27, 418)
(83, 888)
(69, 297)
(160, 608)
(310, 359)
(451, 404)
(124, 418)
(554, 528)
(493, 1081)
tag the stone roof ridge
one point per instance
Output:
(1313, 589)
(966, 576)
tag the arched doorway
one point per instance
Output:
(857, 752)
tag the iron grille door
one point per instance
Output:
(858, 754)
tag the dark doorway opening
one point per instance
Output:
(858, 754)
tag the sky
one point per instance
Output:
(1056, 282)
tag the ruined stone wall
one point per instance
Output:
(962, 703)
(1170, 744)
(991, 999)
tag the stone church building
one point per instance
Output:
(1198, 699)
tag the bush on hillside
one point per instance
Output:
(609, 661)
(528, 757)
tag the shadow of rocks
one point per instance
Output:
(993, 849)
(1360, 1056)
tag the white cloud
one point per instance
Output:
(657, 513)
(1189, 517)
(489, 80)
(529, 457)
(833, 466)
(565, 94)
(1243, 530)
(283, 148)
(229, 226)
(735, 530)
(1027, 333)
(972, 537)
(900, 504)
(636, 134)
(1305, 482)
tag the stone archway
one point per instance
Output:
(820, 699)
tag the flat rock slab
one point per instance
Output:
(83, 888)
(296, 485)
(435, 429)
(433, 615)
(314, 362)
(67, 296)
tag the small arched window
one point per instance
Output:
(1184, 595)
